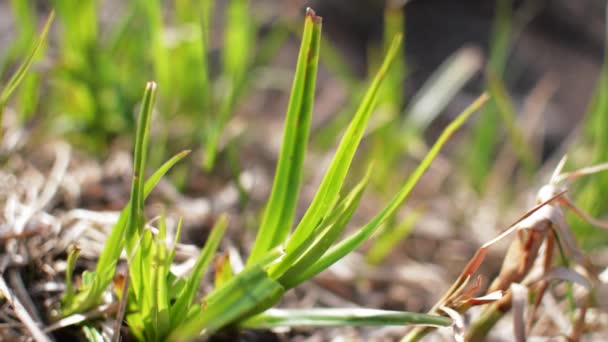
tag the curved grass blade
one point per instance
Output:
(238, 297)
(335, 175)
(89, 296)
(279, 213)
(324, 236)
(355, 240)
(324, 317)
(186, 296)
(136, 221)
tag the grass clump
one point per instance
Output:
(157, 305)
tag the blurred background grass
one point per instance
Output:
(223, 72)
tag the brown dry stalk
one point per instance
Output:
(544, 224)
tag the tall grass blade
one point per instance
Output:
(135, 222)
(334, 177)
(239, 296)
(274, 318)
(296, 261)
(278, 215)
(186, 297)
(89, 296)
(344, 247)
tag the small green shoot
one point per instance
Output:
(160, 307)
(95, 283)
(73, 254)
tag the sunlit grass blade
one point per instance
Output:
(336, 173)
(344, 247)
(278, 215)
(242, 294)
(186, 296)
(136, 220)
(89, 296)
(296, 261)
(115, 243)
(178, 232)
(20, 73)
(69, 293)
(324, 317)
(161, 268)
(92, 334)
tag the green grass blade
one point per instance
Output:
(106, 264)
(160, 268)
(324, 317)
(186, 297)
(135, 221)
(142, 291)
(18, 76)
(355, 240)
(92, 334)
(110, 254)
(279, 212)
(68, 296)
(332, 182)
(296, 261)
(171, 256)
(242, 294)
